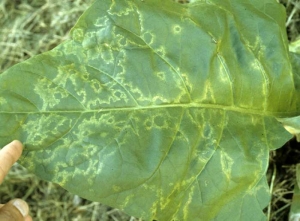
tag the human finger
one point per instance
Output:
(8, 156)
(15, 210)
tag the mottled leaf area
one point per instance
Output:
(164, 110)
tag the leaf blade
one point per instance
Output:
(160, 139)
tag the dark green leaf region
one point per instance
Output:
(164, 110)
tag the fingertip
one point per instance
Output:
(15, 147)
(17, 143)
(21, 205)
(9, 154)
(14, 210)
(28, 218)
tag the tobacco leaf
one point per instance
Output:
(167, 111)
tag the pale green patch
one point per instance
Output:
(78, 34)
(3, 101)
(50, 93)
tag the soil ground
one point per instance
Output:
(30, 27)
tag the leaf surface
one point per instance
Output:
(164, 110)
(292, 124)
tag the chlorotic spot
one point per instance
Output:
(177, 29)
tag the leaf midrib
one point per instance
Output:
(185, 105)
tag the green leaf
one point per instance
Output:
(295, 205)
(164, 110)
(292, 124)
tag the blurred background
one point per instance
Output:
(30, 27)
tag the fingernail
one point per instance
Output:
(21, 206)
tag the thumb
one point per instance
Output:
(14, 210)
